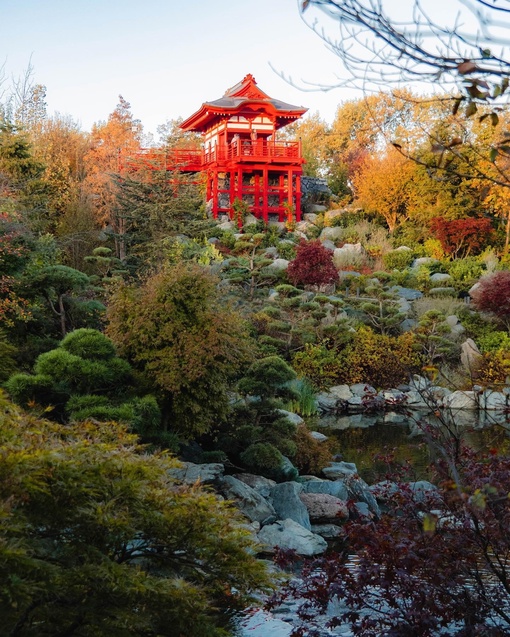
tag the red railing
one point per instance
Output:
(195, 159)
(259, 150)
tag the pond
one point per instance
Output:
(379, 443)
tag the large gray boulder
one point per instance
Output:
(261, 484)
(409, 294)
(340, 470)
(331, 487)
(461, 400)
(289, 535)
(331, 234)
(359, 491)
(190, 473)
(248, 501)
(470, 355)
(287, 503)
(324, 508)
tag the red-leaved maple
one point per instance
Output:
(313, 265)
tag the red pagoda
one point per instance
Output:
(242, 156)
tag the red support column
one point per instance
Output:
(265, 192)
(215, 194)
(290, 189)
(298, 197)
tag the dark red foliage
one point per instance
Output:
(437, 563)
(313, 265)
(493, 295)
(461, 237)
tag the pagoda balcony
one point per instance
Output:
(258, 151)
(192, 160)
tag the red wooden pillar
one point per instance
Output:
(232, 194)
(290, 191)
(265, 192)
(215, 194)
(298, 197)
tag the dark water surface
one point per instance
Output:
(379, 444)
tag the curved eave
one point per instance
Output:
(208, 112)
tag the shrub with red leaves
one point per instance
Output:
(493, 295)
(313, 265)
(462, 237)
(437, 563)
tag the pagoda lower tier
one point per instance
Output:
(264, 174)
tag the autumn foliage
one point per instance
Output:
(313, 265)
(493, 295)
(462, 237)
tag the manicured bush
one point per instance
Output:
(313, 265)
(398, 259)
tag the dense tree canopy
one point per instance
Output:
(98, 538)
(176, 329)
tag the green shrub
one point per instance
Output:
(398, 259)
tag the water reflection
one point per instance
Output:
(369, 439)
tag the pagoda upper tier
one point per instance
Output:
(244, 100)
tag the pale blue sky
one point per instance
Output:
(165, 57)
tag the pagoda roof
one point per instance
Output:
(244, 99)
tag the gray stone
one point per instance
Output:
(260, 484)
(332, 234)
(289, 535)
(279, 264)
(416, 399)
(493, 400)
(419, 383)
(452, 320)
(355, 403)
(443, 291)
(362, 510)
(440, 277)
(353, 248)
(422, 489)
(417, 263)
(404, 306)
(311, 217)
(332, 487)
(470, 355)
(329, 245)
(409, 294)
(408, 324)
(304, 227)
(458, 329)
(326, 402)
(295, 419)
(248, 501)
(384, 491)
(362, 389)
(287, 504)
(329, 531)
(346, 274)
(461, 400)
(359, 491)
(271, 252)
(403, 249)
(323, 507)
(340, 470)
(190, 473)
(316, 435)
(341, 392)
